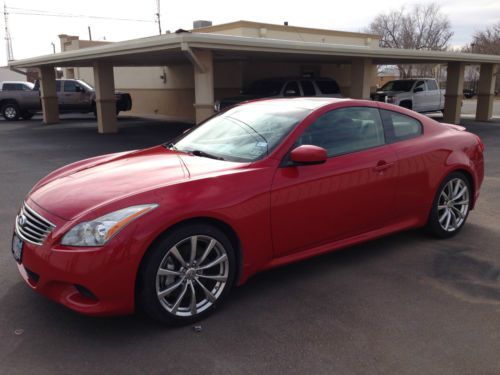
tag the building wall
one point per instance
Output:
(9, 75)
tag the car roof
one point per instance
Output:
(306, 103)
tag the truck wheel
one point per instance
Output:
(406, 104)
(10, 111)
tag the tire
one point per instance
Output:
(165, 285)
(27, 116)
(406, 104)
(11, 112)
(447, 219)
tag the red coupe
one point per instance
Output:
(173, 228)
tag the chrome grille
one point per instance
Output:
(32, 227)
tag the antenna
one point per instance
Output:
(158, 16)
(8, 40)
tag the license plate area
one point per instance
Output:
(17, 248)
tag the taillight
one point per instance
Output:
(480, 143)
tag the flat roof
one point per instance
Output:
(169, 49)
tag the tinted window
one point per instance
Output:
(400, 126)
(308, 88)
(420, 85)
(328, 86)
(70, 86)
(12, 87)
(266, 87)
(432, 85)
(398, 85)
(345, 130)
(291, 86)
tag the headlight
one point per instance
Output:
(97, 232)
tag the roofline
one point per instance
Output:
(247, 44)
(272, 26)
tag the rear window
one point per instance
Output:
(401, 127)
(432, 85)
(328, 87)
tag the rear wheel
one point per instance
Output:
(10, 111)
(186, 274)
(450, 208)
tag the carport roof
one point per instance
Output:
(171, 49)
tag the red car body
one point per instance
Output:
(277, 215)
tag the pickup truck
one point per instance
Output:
(421, 95)
(73, 96)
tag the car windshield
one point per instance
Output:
(267, 87)
(242, 134)
(399, 85)
(86, 85)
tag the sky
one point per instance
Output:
(33, 35)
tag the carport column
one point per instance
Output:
(454, 92)
(105, 98)
(485, 95)
(361, 78)
(204, 85)
(48, 95)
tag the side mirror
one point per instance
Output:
(79, 89)
(418, 89)
(309, 154)
(290, 92)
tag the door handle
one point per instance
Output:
(382, 165)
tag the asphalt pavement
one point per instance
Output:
(404, 304)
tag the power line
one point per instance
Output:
(43, 13)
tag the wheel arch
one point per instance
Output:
(219, 224)
(406, 103)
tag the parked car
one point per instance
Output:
(469, 93)
(73, 96)
(284, 87)
(173, 228)
(421, 95)
(16, 86)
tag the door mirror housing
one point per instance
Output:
(309, 154)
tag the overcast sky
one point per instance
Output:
(32, 35)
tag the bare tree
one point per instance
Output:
(421, 27)
(487, 41)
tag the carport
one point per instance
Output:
(201, 50)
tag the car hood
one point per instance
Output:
(70, 192)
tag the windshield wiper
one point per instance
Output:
(204, 154)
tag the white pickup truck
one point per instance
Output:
(421, 94)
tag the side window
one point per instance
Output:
(58, 86)
(345, 130)
(291, 89)
(308, 88)
(432, 85)
(70, 86)
(420, 86)
(328, 86)
(400, 127)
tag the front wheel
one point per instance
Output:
(186, 274)
(450, 208)
(10, 112)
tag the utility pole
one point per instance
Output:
(53, 47)
(90, 33)
(158, 16)
(8, 40)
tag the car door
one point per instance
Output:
(72, 96)
(433, 95)
(351, 193)
(420, 97)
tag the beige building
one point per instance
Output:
(169, 90)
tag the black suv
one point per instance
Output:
(283, 88)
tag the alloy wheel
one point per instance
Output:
(192, 275)
(10, 112)
(453, 204)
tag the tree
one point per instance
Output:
(422, 27)
(487, 41)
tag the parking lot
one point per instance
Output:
(404, 304)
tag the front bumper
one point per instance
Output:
(91, 281)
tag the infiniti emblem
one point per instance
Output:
(21, 220)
